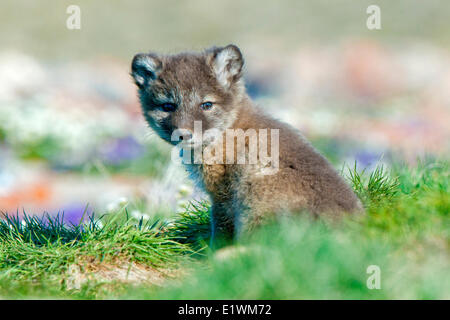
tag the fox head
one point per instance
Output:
(178, 90)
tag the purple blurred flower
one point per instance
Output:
(121, 149)
(74, 212)
(365, 158)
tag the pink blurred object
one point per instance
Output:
(369, 71)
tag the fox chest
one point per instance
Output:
(210, 178)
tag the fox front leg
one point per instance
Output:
(222, 227)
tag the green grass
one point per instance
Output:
(36, 253)
(377, 186)
(405, 231)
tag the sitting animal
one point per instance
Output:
(188, 95)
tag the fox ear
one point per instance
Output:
(145, 68)
(227, 63)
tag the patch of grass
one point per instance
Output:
(377, 186)
(405, 232)
(36, 253)
(191, 226)
(44, 148)
(417, 207)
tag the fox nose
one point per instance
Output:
(186, 136)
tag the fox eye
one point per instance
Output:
(206, 105)
(168, 107)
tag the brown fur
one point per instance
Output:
(241, 198)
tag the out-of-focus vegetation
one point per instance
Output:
(122, 28)
(405, 232)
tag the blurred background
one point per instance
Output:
(72, 136)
